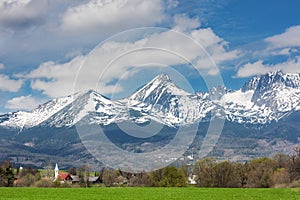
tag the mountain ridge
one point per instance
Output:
(260, 101)
(252, 128)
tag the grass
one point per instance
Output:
(147, 193)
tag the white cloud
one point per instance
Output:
(259, 68)
(22, 103)
(60, 77)
(215, 46)
(1, 66)
(21, 13)
(111, 16)
(290, 38)
(113, 60)
(284, 51)
(184, 23)
(284, 45)
(171, 4)
(251, 69)
(10, 85)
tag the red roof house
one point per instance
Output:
(64, 176)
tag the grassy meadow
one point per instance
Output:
(147, 193)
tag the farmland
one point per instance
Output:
(147, 193)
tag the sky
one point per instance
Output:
(53, 48)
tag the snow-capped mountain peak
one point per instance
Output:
(155, 89)
(264, 99)
(277, 87)
(22, 119)
(161, 100)
(260, 101)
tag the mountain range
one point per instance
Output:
(261, 118)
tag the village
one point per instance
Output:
(280, 171)
(84, 177)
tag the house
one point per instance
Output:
(91, 179)
(75, 179)
(64, 177)
(67, 177)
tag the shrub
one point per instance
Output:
(44, 182)
(280, 177)
(295, 184)
(168, 177)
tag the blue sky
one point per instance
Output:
(43, 44)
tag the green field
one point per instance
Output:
(147, 193)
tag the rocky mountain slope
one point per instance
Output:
(260, 101)
(262, 104)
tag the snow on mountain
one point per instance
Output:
(160, 86)
(91, 105)
(20, 120)
(278, 90)
(164, 102)
(263, 99)
(250, 85)
(260, 101)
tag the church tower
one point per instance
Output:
(56, 171)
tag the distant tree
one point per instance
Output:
(73, 171)
(204, 171)
(18, 170)
(260, 172)
(240, 173)
(44, 182)
(210, 173)
(56, 183)
(25, 171)
(84, 174)
(96, 174)
(297, 152)
(156, 177)
(185, 170)
(110, 177)
(169, 177)
(140, 179)
(282, 160)
(280, 177)
(27, 180)
(7, 175)
(294, 165)
(225, 175)
(48, 171)
(27, 177)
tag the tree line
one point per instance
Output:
(280, 171)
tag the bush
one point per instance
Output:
(141, 179)
(7, 176)
(280, 177)
(110, 177)
(260, 172)
(56, 183)
(26, 181)
(168, 177)
(295, 184)
(44, 182)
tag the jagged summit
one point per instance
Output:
(162, 77)
(279, 78)
(273, 79)
(216, 93)
(158, 87)
(260, 101)
(253, 127)
(251, 84)
(264, 98)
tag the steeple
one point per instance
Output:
(56, 171)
